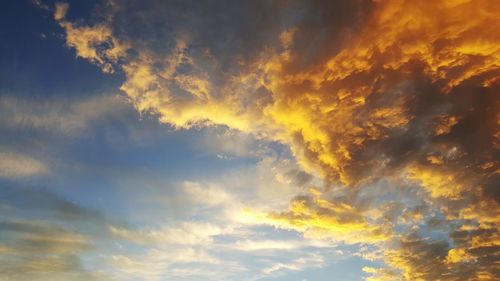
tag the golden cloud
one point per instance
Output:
(318, 218)
(410, 97)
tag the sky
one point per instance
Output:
(248, 140)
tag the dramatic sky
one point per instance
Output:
(250, 140)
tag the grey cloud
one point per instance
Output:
(34, 249)
(43, 236)
(43, 201)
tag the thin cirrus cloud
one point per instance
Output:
(67, 117)
(389, 109)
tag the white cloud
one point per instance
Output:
(227, 143)
(268, 245)
(210, 195)
(184, 233)
(179, 262)
(308, 261)
(263, 245)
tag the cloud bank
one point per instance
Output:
(370, 96)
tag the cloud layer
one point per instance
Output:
(367, 95)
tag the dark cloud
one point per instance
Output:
(323, 28)
(236, 35)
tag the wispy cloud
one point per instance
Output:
(65, 116)
(15, 165)
(41, 236)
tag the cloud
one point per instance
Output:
(419, 258)
(263, 98)
(44, 251)
(45, 236)
(65, 116)
(96, 43)
(230, 144)
(208, 195)
(43, 201)
(312, 260)
(15, 165)
(263, 246)
(184, 249)
(265, 184)
(60, 11)
(397, 92)
(208, 239)
(157, 264)
(186, 233)
(319, 218)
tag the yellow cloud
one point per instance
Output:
(95, 43)
(322, 113)
(318, 218)
(438, 182)
(60, 11)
